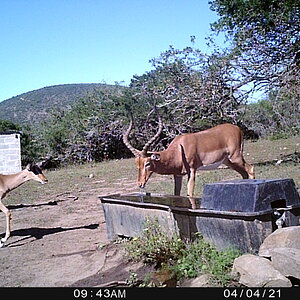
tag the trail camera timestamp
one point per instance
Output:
(99, 293)
(252, 293)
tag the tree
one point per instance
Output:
(90, 131)
(6, 125)
(274, 117)
(265, 38)
(264, 41)
(192, 91)
(29, 148)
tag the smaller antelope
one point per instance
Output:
(12, 181)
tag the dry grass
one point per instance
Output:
(118, 174)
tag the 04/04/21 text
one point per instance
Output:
(250, 293)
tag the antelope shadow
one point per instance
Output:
(21, 205)
(39, 232)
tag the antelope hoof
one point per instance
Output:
(1, 243)
(4, 239)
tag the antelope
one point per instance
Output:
(187, 153)
(11, 182)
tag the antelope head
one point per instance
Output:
(34, 172)
(144, 160)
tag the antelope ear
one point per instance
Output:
(28, 167)
(42, 164)
(155, 156)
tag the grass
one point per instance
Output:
(74, 179)
(116, 174)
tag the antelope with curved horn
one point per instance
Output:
(11, 182)
(187, 153)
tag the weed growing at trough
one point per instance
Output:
(155, 246)
(185, 259)
(200, 257)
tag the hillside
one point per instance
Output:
(34, 106)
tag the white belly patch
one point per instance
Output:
(212, 166)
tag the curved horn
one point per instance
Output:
(135, 152)
(153, 139)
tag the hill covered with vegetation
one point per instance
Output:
(189, 90)
(35, 106)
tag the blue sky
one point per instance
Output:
(49, 42)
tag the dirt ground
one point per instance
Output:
(61, 241)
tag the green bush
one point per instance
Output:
(90, 131)
(275, 117)
(155, 246)
(186, 260)
(200, 257)
(30, 149)
(194, 260)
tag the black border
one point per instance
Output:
(158, 293)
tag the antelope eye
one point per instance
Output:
(147, 164)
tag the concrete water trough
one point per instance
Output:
(238, 213)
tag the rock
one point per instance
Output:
(288, 237)
(256, 271)
(286, 261)
(200, 281)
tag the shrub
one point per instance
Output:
(200, 257)
(186, 260)
(275, 117)
(30, 149)
(155, 246)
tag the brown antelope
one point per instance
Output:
(10, 182)
(187, 153)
